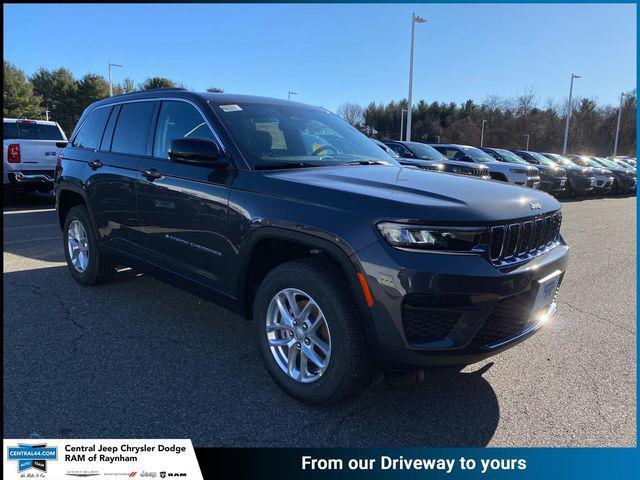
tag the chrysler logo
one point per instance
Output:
(535, 205)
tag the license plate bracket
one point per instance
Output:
(547, 287)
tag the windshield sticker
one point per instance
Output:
(230, 108)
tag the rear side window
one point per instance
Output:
(31, 131)
(91, 131)
(28, 131)
(178, 120)
(9, 130)
(132, 128)
(49, 132)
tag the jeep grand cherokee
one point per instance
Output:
(344, 260)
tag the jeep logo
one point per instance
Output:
(535, 205)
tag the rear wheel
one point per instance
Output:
(87, 264)
(309, 334)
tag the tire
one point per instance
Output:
(349, 367)
(98, 268)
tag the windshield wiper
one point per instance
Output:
(367, 162)
(279, 165)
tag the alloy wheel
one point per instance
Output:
(298, 335)
(78, 246)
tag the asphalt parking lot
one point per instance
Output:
(139, 358)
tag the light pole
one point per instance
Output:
(615, 144)
(402, 122)
(566, 125)
(527, 135)
(482, 132)
(292, 93)
(46, 112)
(414, 19)
(110, 78)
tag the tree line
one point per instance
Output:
(509, 123)
(62, 95)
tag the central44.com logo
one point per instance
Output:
(32, 456)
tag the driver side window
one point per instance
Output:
(178, 120)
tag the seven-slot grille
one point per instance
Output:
(516, 241)
(477, 172)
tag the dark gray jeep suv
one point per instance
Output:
(344, 260)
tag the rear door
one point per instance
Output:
(113, 171)
(38, 149)
(183, 207)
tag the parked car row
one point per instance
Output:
(551, 172)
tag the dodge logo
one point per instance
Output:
(535, 205)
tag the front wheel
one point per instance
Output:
(87, 264)
(309, 334)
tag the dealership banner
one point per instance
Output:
(104, 459)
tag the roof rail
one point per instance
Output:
(164, 89)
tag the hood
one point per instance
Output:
(577, 169)
(548, 169)
(481, 166)
(400, 193)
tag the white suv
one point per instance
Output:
(517, 174)
(30, 151)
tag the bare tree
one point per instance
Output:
(527, 101)
(352, 113)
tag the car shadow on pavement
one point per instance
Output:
(141, 359)
(22, 200)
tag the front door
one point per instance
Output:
(183, 207)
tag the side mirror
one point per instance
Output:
(408, 155)
(199, 151)
(61, 144)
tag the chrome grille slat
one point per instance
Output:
(513, 242)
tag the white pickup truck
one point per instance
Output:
(30, 151)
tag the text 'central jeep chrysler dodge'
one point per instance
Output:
(344, 260)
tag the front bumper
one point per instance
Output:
(603, 184)
(581, 184)
(451, 309)
(553, 185)
(626, 183)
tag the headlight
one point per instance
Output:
(439, 167)
(452, 239)
(517, 170)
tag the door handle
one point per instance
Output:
(95, 164)
(151, 174)
(50, 154)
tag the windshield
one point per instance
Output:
(626, 165)
(562, 160)
(293, 135)
(478, 155)
(510, 157)
(542, 159)
(588, 162)
(425, 152)
(606, 163)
